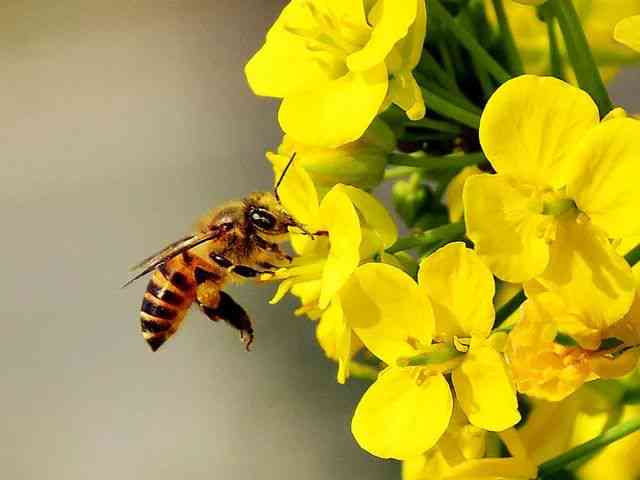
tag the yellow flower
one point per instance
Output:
(336, 64)
(517, 467)
(460, 442)
(360, 163)
(396, 318)
(545, 369)
(459, 455)
(358, 228)
(627, 32)
(561, 191)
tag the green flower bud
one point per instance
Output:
(410, 198)
(360, 163)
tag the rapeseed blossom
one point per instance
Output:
(400, 322)
(358, 227)
(496, 362)
(337, 64)
(560, 192)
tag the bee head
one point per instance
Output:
(266, 215)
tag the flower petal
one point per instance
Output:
(461, 290)
(594, 282)
(531, 124)
(336, 339)
(284, 65)
(391, 21)
(337, 112)
(453, 193)
(627, 32)
(484, 389)
(297, 192)
(387, 311)
(604, 188)
(507, 233)
(341, 220)
(399, 417)
(375, 215)
(405, 92)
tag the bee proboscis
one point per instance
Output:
(240, 238)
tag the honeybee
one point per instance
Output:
(241, 239)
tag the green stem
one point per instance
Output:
(584, 64)
(508, 308)
(363, 371)
(469, 42)
(455, 97)
(438, 125)
(448, 232)
(431, 68)
(556, 63)
(587, 448)
(446, 108)
(430, 163)
(513, 54)
(479, 69)
(398, 172)
(439, 353)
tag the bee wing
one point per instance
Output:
(165, 253)
(172, 250)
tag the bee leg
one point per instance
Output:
(242, 270)
(271, 249)
(232, 313)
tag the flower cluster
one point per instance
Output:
(501, 335)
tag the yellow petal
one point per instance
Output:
(391, 23)
(549, 427)
(284, 64)
(337, 112)
(627, 32)
(493, 469)
(484, 389)
(412, 45)
(375, 215)
(405, 92)
(604, 188)
(461, 290)
(297, 192)
(340, 216)
(453, 194)
(387, 311)
(335, 338)
(349, 12)
(627, 330)
(399, 417)
(508, 235)
(540, 367)
(531, 124)
(595, 283)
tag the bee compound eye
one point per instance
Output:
(262, 219)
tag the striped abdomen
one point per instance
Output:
(169, 295)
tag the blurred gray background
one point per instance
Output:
(121, 122)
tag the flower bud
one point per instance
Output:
(360, 163)
(410, 198)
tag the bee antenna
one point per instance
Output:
(275, 190)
